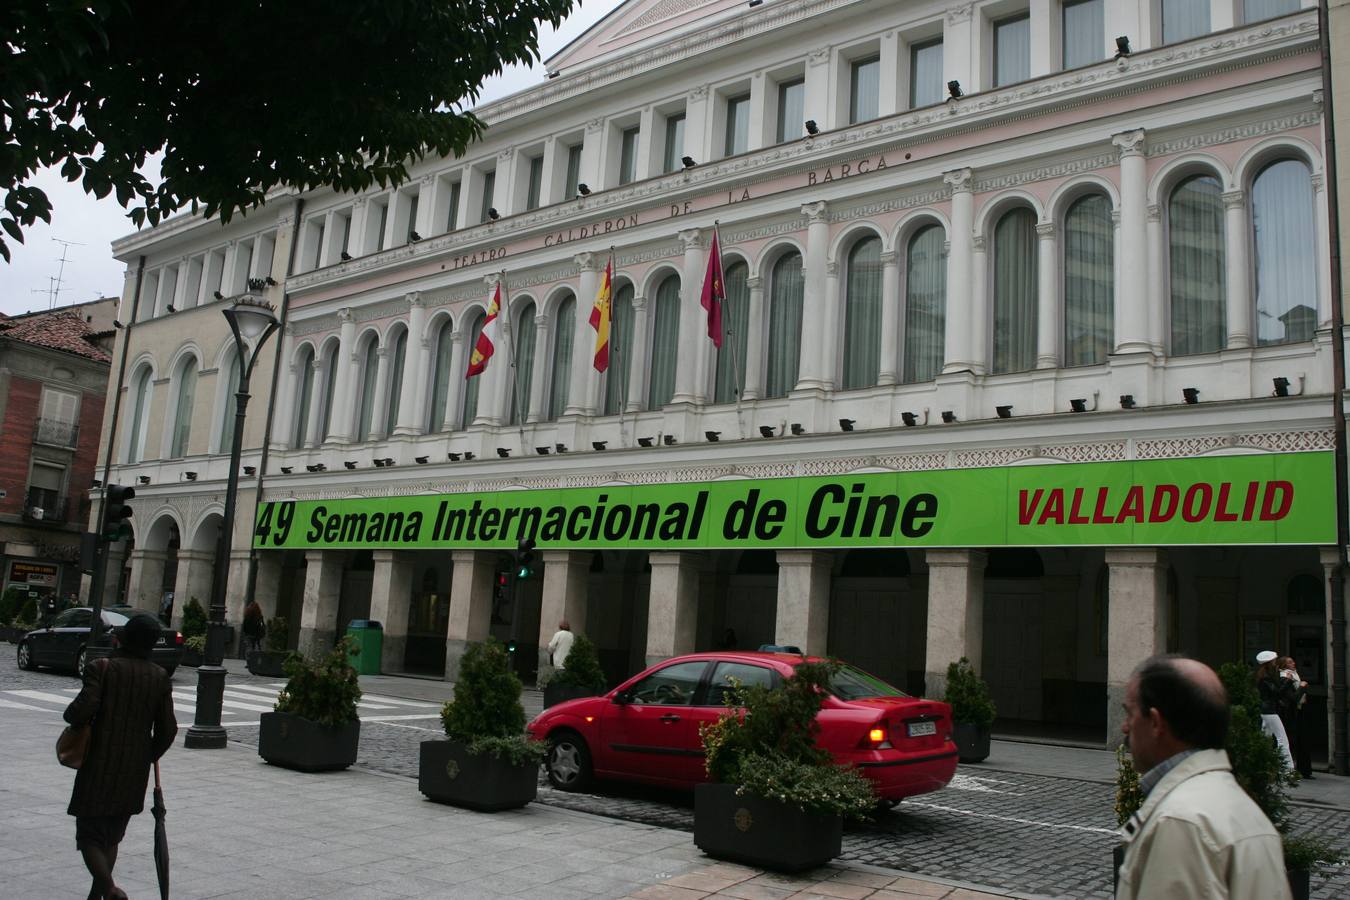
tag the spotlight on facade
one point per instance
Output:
(250, 470)
(269, 281)
(1004, 412)
(687, 162)
(812, 127)
(1127, 401)
(1078, 404)
(559, 448)
(646, 442)
(1191, 395)
(413, 237)
(117, 324)
(388, 462)
(1281, 386)
(846, 424)
(948, 416)
(421, 460)
(379, 463)
(766, 431)
(468, 455)
(582, 188)
(909, 419)
(712, 436)
(797, 429)
(599, 445)
(668, 440)
(286, 470)
(97, 483)
(954, 90)
(542, 451)
(171, 309)
(503, 452)
(754, 3)
(314, 467)
(1122, 46)
(349, 463)
(218, 295)
(453, 457)
(143, 479)
(493, 214)
(345, 256)
(190, 476)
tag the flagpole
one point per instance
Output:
(737, 383)
(511, 345)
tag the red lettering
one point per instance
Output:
(1075, 517)
(1169, 492)
(1099, 516)
(1221, 513)
(1054, 508)
(1133, 507)
(1026, 513)
(1285, 493)
(1188, 508)
(1249, 506)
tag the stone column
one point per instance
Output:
(195, 568)
(566, 577)
(390, 597)
(287, 386)
(342, 422)
(641, 354)
(147, 579)
(411, 409)
(472, 580)
(1045, 54)
(980, 307)
(582, 389)
(803, 615)
(691, 367)
(1323, 261)
(378, 420)
(536, 404)
(1048, 305)
(756, 333)
(267, 583)
(817, 103)
(454, 392)
(1132, 298)
(955, 614)
(812, 373)
(959, 353)
(318, 374)
(889, 100)
(698, 123)
(1136, 622)
(1159, 329)
(672, 606)
(1236, 260)
(889, 372)
(323, 586)
(1330, 559)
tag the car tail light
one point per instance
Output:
(878, 736)
(178, 638)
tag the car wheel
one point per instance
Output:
(883, 807)
(81, 661)
(26, 657)
(569, 762)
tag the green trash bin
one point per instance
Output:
(368, 636)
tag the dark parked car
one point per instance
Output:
(63, 643)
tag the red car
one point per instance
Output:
(647, 729)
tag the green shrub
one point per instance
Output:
(194, 619)
(1128, 796)
(583, 667)
(485, 713)
(1258, 764)
(27, 617)
(10, 603)
(324, 690)
(770, 749)
(196, 643)
(278, 634)
(968, 696)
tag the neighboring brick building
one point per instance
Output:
(53, 380)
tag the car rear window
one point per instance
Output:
(854, 684)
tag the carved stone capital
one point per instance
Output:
(977, 243)
(586, 262)
(890, 258)
(818, 56)
(814, 212)
(1155, 212)
(754, 283)
(639, 303)
(456, 337)
(691, 238)
(960, 180)
(1046, 230)
(1233, 199)
(699, 92)
(958, 14)
(414, 298)
(345, 316)
(832, 268)
(1130, 143)
(594, 125)
(541, 323)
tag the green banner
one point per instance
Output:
(1263, 498)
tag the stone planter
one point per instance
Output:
(192, 658)
(560, 693)
(762, 833)
(1300, 883)
(448, 773)
(291, 742)
(972, 742)
(268, 663)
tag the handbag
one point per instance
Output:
(73, 745)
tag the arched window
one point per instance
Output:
(524, 361)
(1286, 262)
(564, 329)
(1015, 281)
(182, 417)
(862, 315)
(730, 380)
(370, 369)
(471, 385)
(786, 290)
(619, 372)
(925, 304)
(440, 377)
(665, 343)
(1089, 292)
(140, 415)
(229, 370)
(330, 367)
(304, 373)
(399, 354)
(1196, 265)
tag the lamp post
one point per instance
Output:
(252, 322)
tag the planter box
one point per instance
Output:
(762, 833)
(291, 742)
(1300, 883)
(972, 742)
(560, 693)
(192, 658)
(448, 773)
(270, 663)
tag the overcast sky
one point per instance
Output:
(90, 270)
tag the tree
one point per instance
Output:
(242, 98)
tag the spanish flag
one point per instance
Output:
(484, 348)
(600, 317)
(714, 291)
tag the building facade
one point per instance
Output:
(1027, 355)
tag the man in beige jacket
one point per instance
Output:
(1197, 834)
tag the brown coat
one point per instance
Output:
(130, 702)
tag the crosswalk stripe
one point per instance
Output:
(268, 692)
(11, 704)
(192, 710)
(395, 718)
(41, 695)
(415, 704)
(251, 692)
(192, 698)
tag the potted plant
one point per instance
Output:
(1128, 800)
(774, 798)
(315, 726)
(972, 711)
(271, 661)
(581, 677)
(11, 601)
(194, 633)
(487, 764)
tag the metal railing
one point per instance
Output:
(44, 505)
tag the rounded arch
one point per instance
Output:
(556, 297)
(164, 525)
(915, 221)
(1271, 150)
(997, 207)
(517, 304)
(856, 231)
(1075, 189)
(773, 251)
(1177, 170)
(189, 348)
(364, 337)
(438, 320)
(206, 531)
(303, 350)
(656, 276)
(735, 257)
(469, 316)
(624, 277)
(140, 392)
(142, 362)
(184, 369)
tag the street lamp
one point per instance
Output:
(252, 320)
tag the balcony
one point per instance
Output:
(56, 433)
(46, 506)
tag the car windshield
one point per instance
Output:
(121, 615)
(854, 684)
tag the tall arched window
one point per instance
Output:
(140, 415)
(330, 367)
(440, 376)
(469, 411)
(619, 372)
(182, 416)
(398, 355)
(665, 343)
(1196, 265)
(229, 370)
(730, 380)
(862, 315)
(784, 353)
(370, 369)
(1286, 261)
(524, 362)
(304, 389)
(1089, 278)
(1015, 275)
(925, 304)
(564, 329)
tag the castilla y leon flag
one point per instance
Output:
(714, 291)
(600, 314)
(484, 348)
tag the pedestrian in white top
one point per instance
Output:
(561, 644)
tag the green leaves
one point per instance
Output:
(968, 695)
(583, 666)
(486, 713)
(323, 690)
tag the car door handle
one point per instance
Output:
(670, 717)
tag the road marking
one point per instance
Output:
(192, 698)
(397, 718)
(41, 695)
(423, 704)
(413, 727)
(961, 782)
(370, 701)
(11, 704)
(1014, 819)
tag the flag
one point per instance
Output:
(600, 317)
(484, 348)
(714, 292)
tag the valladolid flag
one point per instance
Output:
(714, 291)
(600, 317)
(485, 347)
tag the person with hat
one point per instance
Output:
(1276, 692)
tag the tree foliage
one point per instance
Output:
(968, 695)
(583, 666)
(325, 689)
(243, 97)
(485, 713)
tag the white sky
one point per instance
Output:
(90, 270)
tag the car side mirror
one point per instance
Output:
(622, 698)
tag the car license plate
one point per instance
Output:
(161, 642)
(921, 729)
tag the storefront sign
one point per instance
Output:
(33, 574)
(1250, 499)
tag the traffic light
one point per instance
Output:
(115, 526)
(524, 559)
